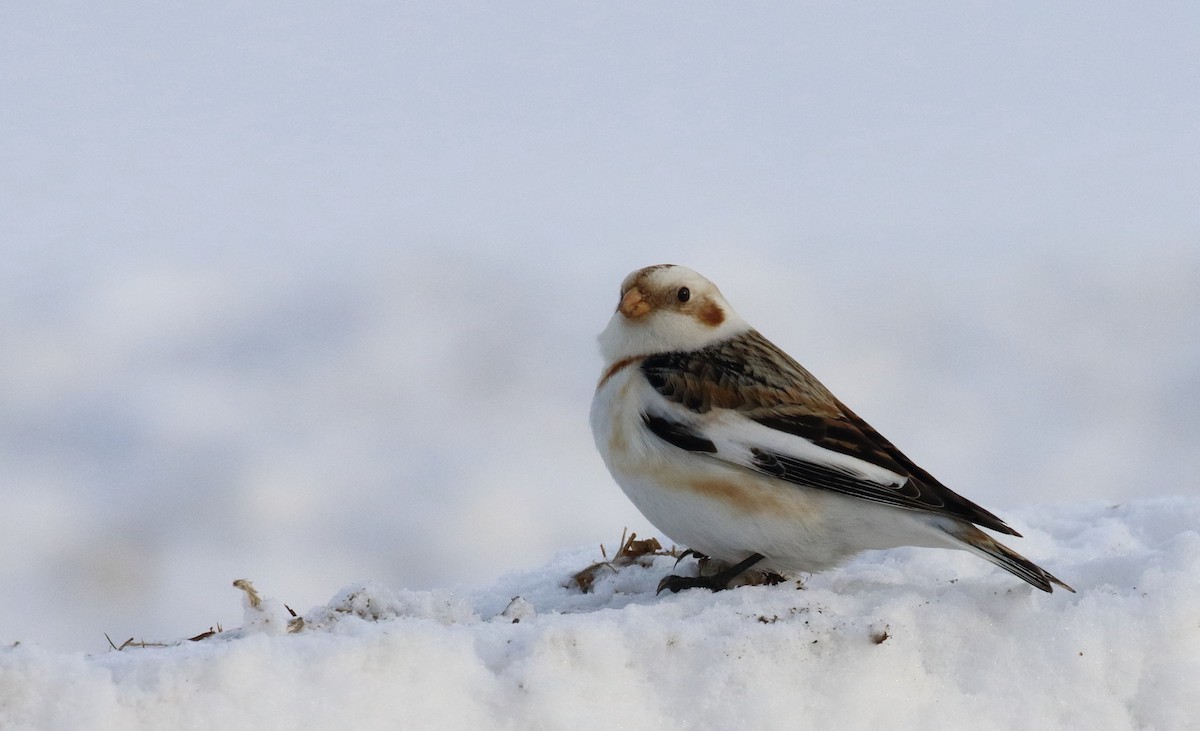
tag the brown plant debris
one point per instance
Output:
(142, 644)
(205, 635)
(632, 551)
(132, 643)
(251, 593)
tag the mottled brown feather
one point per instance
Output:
(749, 374)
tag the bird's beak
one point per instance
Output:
(633, 304)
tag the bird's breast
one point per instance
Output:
(616, 413)
(642, 462)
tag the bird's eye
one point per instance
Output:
(684, 294)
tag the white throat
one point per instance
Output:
(664, 332)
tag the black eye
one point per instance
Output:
(684, 294)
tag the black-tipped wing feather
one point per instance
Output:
(814, 474)
(751, 376)
(677, 434)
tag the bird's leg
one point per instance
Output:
(716, 582)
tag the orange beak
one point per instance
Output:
(633, 304)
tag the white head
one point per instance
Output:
(666, 308)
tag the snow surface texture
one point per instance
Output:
(903, 639)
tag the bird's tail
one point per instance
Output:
(980, 543)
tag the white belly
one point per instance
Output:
(729, 512)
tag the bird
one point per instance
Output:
(735, 451)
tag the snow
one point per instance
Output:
(903, 639)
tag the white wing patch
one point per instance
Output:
(738, 439)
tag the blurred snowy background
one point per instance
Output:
(308, 294)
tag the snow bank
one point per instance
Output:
(902, 639)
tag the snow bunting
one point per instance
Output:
(736, 451)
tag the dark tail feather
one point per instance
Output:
(989, 548)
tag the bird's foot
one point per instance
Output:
(768, 578)
(715, 582)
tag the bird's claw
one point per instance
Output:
(676, 584)
(689, 552)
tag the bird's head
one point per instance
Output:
(667, 308)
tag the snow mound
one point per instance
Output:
(900, 639)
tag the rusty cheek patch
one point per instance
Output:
(710, 313)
